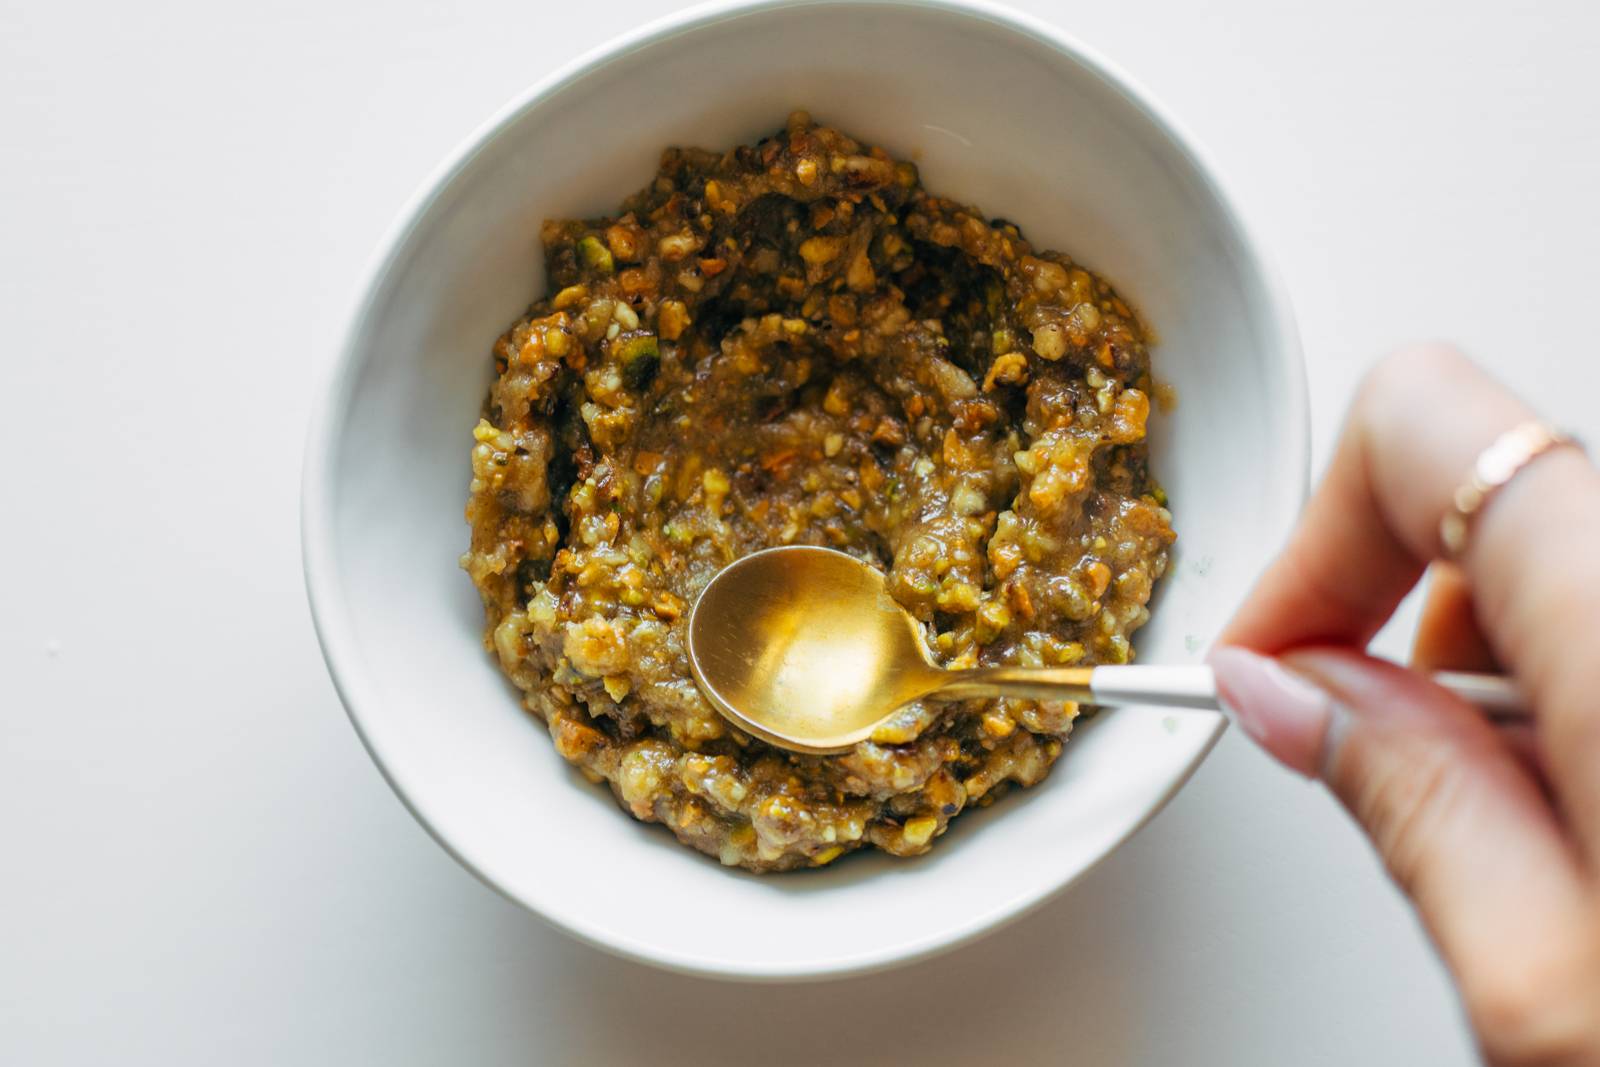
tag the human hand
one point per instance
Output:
(1494, 832)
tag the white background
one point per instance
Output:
(199, 863)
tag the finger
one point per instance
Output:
(1523, 744)
(1536, 583)
(1341, 575)
(1417, 427)
(1417, 424)
(1448, 636)
(1460, 826)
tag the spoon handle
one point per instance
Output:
(1184, 687)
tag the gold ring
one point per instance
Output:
(1495, 466)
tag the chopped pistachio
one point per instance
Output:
(639, 356)
(596, 255)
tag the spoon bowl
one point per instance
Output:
(805, 648)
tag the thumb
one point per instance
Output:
(1458, 821)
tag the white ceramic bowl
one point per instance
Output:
(999, 110)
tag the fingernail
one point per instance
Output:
(1281, 711)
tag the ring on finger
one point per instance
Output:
(1496, 465)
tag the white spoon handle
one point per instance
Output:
(1177, 687)
(1194, 687)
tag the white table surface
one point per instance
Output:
(201, 866)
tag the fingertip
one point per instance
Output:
(1283, 713)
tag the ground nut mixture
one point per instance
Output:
(795, 343)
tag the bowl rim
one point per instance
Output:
(336, 378)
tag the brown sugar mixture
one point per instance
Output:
(794, 343)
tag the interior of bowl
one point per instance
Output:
(996, 113)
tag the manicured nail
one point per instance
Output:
(1284, 713)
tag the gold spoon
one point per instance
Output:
(804, 648)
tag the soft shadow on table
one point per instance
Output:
(1066, 977)
(969, 1006)
(1059, 970)
(1163, 954)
